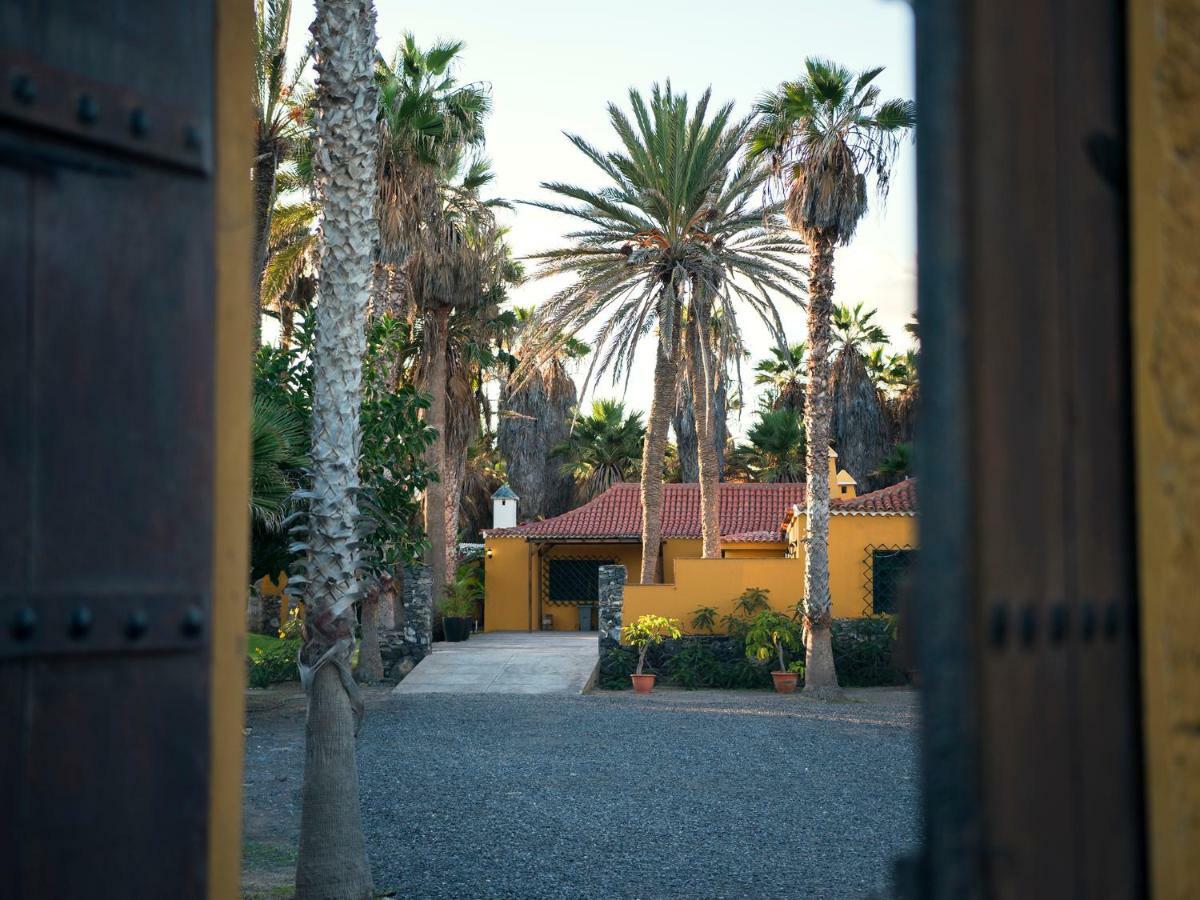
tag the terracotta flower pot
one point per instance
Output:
(785, 682)
(643, 684)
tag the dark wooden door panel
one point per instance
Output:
(106, 446)
(1025, 289)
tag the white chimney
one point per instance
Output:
(504, 508)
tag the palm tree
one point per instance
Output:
(825, 135)
(535, 417)
(277, 123)
(783, 375)
(435, 230)
(651, 236)
(855, 327)
(860, 428)
(332, 859)
(775, 452)
(604, 448)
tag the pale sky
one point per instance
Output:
(553, 67)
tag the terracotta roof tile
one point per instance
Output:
(754, 537)
(745, 508)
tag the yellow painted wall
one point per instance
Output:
(1164, 80)
(695, 582)
(506, 582)
(753, 550)
(716, 583)
(673, 549)
(509, 605)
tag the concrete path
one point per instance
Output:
(507, 663)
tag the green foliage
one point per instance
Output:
(464, 593)
(769, 634)
(751, 601)
(271, 660)
(863, 651)
(775, 451)
(604, 448)
(854, 328)
(897, 465)
(704, 618)
(696, 666)
(646, 630)
(277, 441)
(616, 666)
(392, 465)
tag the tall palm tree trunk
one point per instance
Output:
(706, 447)
(666, 374)
(435, 492)
(265, 166)
(332, 859)
(819, 671)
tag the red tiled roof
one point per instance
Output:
(745, 508)
(754, 537)
(899, 498)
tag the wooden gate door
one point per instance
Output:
(117, 555)
(1030, 646)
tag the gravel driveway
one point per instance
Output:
(679, 794)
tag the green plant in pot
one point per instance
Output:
(641, 633)
(458, 605)
(768, 635)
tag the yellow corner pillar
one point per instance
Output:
(1164, 82)
(233, 65)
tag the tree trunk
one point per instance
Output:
(263, 185)
(287, 321)
(859, 425)
(332, 859)
(720, 426)
(435, 492)
(819, 671)
(666, 373)
(333, 854)
(370, 662)
(706, 450)
(685, 432)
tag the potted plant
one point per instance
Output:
(458, 605)
(768, 634)
(641, 633)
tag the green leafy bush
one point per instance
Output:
(617, 664)
(769, 634)
(696, 666)
(646, 630)
(863, 651)
(271, 660)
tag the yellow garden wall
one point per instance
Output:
(753, 550)
(716, 583)
(673, 549)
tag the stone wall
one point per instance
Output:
(411, 641)
(612, 594)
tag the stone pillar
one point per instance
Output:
(612, 596)
(418, 608)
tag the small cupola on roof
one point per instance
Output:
(504, 508)
(841, 482)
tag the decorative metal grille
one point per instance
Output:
(572, 581)
(885, 569)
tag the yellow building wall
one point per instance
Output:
(755, 550)
(506, 585)
(508, 564)
(673, 549)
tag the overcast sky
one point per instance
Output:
(553, 67)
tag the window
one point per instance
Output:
(887, 571)
(573, 581)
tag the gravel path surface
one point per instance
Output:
(679, 794)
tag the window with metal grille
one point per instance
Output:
(573, 581)
(886, 570)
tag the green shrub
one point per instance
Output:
(271, 660)
(863, 651)
(646, 631)
(695, 666)
(616, 667)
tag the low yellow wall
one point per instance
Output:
(716, 583)
(673, 549)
